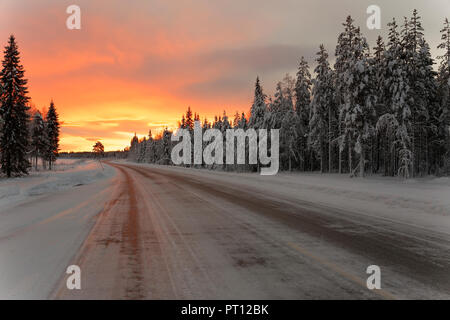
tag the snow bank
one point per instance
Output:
(67, 173)
(44, 219)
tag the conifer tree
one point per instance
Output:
(343, 55)
(52, 128)
(302, 109)
(322, 93)
(189, 124)
(14, 113)
(38, 139)
(443, 79)
(259, 108)
(360, 101)
(288, 132)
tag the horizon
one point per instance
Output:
(135, 67)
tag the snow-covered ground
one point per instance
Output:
(66, 174)
(47, 219)
(44, 218)
(423, 202)
(195, 234)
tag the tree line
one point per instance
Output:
(383, 110)
(25, 134)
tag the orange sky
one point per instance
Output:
(137, 64)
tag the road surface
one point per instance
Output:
(165, 234)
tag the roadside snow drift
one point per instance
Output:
(44, 219)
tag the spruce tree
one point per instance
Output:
(52, 126)
(322, 93)
(189, 122)
(444, 101)
(360, 101)
(421, 97)
(258, 112)
(14, 113)
(259, 108)
(379, 68)
(38, 139)
(302, 109)
(288, 132)
(343, 55)
(398, 97)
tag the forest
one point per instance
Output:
(26, 135)
(381, 110)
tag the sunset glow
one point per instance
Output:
(137, 65)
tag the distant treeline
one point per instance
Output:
(86, 154)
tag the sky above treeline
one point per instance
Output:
(136, 65)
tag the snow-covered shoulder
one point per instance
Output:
(67, 173)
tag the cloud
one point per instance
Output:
(136, 63)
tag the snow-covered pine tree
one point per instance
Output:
(166, 146)
(52, 133)
(289, 132)
(397, 90)
(38, 138)
(150, 148)
(343, 55)
(259, 108)
(359, 101)
(322, 92)
(427, 130)
(420, 74)
(14, 112)
(258, 111)
(443, 79)
(225, 126)
(393, 88)
(142, 149)
(133, 153)
(302, 109)
(277, 108)
(379, 67)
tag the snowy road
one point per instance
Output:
(172, 233)
(44, 219)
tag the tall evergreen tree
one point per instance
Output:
(302, 109)
(444, 101)
(398, 97)
(288, 132)
(189, 124)
(343, 55)
(360, 101)
(14, 112)
(259, 108)
(258, 112)
(52, 128)
(38, 139)
(421, 97)
(322, 93)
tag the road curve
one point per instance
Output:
(166, 234)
